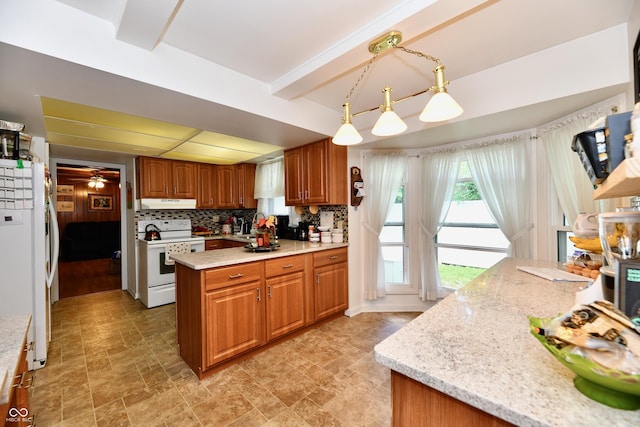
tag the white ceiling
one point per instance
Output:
(277, 72)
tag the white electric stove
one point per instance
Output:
(156, 277)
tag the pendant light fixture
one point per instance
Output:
(440, 107)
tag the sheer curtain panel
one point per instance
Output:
(383, 175)
(570, 180)
(269, 184)
(502, 172)
(438, 176)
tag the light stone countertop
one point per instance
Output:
(475, 346)
(230, 256)
(13, 329)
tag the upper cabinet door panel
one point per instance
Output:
(316, 173)
(154, 177)
(293, 187)
(227, 189)
(184, 179)
(206, 186)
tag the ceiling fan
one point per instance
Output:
(95, 177)
(97, 181)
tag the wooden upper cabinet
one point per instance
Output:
(162, 178)
(293, 186)
(227, 187)
(153, 177)
(316, 174)
(184, 178)
(207, 188)
(246, 174)
(213, 186)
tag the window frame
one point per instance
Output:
(410, 250)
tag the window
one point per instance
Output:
(469, 241)
(393, 242)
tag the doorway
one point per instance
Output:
(88, 201)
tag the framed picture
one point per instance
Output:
(65, 206)
(100, 202)
(65, 190)
(636, 68)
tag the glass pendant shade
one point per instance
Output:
(440, 107)
(389, 123)
(92, 184)
(347, 135)
(99, 184)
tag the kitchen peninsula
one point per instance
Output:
(471, 360)
(231, 302)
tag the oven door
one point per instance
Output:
(158, 273)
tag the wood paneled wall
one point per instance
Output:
(80, 198)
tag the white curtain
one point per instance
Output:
(269, 184)
(383, 175)
(501, 170)
(570, 180)
(438, 176)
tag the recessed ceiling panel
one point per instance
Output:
(234, 143)
(74, 141)
(211, 151)
(106, 118)
(107, 134)
(197, 158)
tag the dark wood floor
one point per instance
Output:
(86, 277)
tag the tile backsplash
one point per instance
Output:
(205, 217)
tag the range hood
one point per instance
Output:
(167, 203)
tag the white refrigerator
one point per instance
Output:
(28, 250)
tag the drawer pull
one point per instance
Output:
(21, 377)
(287, 266)
(236, 276)
(333, 257)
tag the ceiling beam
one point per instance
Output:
(144, 22)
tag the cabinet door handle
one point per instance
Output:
(287, 266)
(235, 276)
(317, 278)
(333, 257)
(259, 295)
(270, 296)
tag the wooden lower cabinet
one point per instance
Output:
(234, 321)
(16, 411)
(418, 405)
(227, 312)
(285, 304)
(330, 282)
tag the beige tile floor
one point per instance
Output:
(114, 363)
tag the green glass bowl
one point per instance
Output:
(610, 387)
